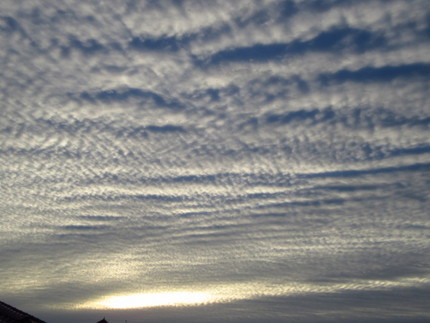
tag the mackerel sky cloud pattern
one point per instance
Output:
(272, 157)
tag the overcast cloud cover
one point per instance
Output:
(274, 154)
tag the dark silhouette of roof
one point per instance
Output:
(10, 314)
(103, 321)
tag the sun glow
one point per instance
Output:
(155, 299)
(239, 291)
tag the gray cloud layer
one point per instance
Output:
(274, 150)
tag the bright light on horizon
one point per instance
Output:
(154, 299)
(240, 291)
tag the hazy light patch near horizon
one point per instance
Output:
(130, 301)
(233, 292)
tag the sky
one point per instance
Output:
(215, 161)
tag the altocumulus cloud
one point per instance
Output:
(272, 154)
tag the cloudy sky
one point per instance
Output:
(216, 161)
